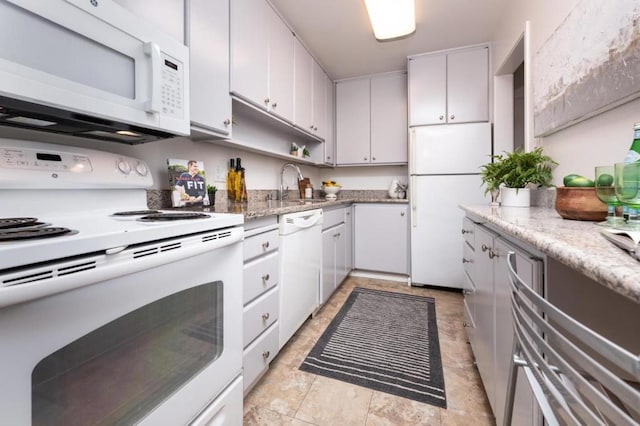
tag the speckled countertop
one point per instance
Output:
(256, 209)
(577, 244)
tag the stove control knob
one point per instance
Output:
(141, 169)
(124, 167)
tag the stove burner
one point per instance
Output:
(33, 233)
(16, 222)
(166, 217)
(136, 213)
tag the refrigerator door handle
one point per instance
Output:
(414, 201)
(412, 152)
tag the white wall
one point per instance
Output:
(603, 139)
(365, 177)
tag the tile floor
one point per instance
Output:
(288, 396)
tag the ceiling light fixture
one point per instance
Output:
(391, 19)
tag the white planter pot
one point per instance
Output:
(514, 197)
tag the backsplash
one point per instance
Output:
(161, 199)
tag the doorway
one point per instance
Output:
(512, 97)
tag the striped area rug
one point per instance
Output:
(383, 341)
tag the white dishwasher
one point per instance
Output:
(300, 263)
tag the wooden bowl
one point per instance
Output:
(580, 204)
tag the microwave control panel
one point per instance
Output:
(172, 87)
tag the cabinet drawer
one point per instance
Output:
(468, 231)
(260, 244)
(259, 276)
(332, 217)
(258, 355)
(259, 315)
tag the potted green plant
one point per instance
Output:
(305, 153)
(511, 173)
(211, 192)
(294, 149)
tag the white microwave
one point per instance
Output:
(91, 68)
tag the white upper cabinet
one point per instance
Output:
(250, 51)
(310, 89)
(319, 100)
(280, 67)
(353, 131)
(449, 87)
(302, 86)
(371, 120)
(208, 41)
(261, 57)
(389, 119)
(329, 139)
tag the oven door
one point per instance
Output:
(150, 347)
(95, 59)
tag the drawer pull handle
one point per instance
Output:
(484, 247)
(265, 277)
(466, 231)
(466, 260)
(266, 354)
(493, 254)
(265, 245)
(265, 316)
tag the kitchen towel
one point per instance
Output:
(383, 341)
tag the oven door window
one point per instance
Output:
(118, 373)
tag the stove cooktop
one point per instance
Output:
(71, 234)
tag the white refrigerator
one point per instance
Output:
(444, 169)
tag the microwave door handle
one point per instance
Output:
(153, 51)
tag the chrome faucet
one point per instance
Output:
(283, 192)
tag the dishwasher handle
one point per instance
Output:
(308, 221)
(299, 221)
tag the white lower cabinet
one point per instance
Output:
(381, 241)
(336, 250)
(489, 323)
(261, 299)
(257, 356)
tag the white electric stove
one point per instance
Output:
(140, 314)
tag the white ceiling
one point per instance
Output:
(339, 35)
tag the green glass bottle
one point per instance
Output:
(634, 152)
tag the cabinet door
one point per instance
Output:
(280, 67)
(468, 86)
(348, 232)
(427, 90)
(328, 265)
(340, 239)
(209, 59)
(302, 87)
(353, 132)
(530, 270)
(484, 349)
(329, 137)
(319, 100)
(381, 242)
(250, 50)
(389, 119)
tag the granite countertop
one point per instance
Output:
(256, 209)
(577, 244)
